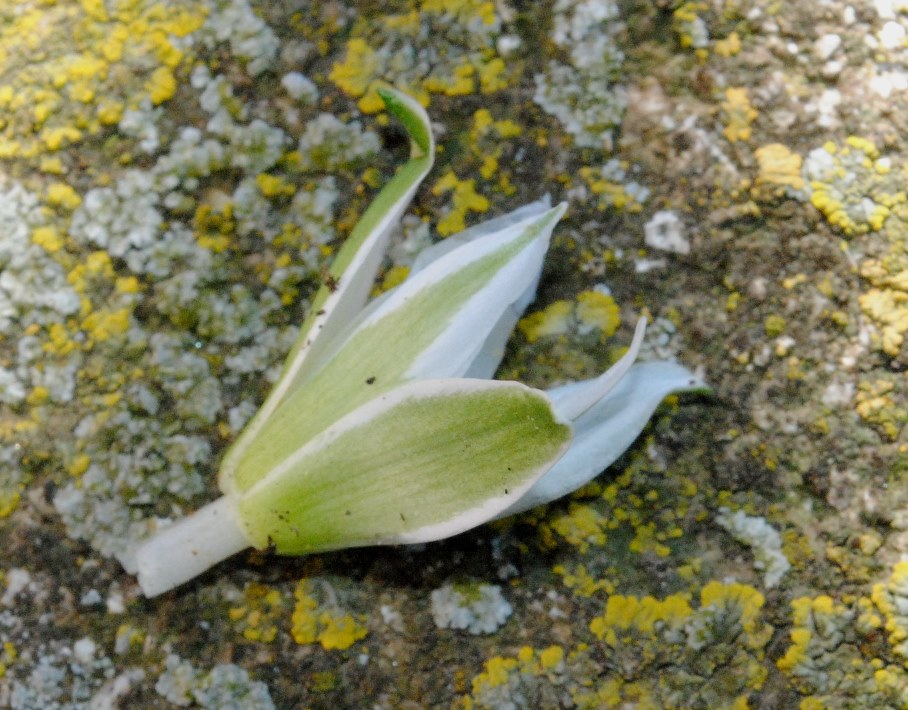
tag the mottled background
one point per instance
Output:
(175, 175)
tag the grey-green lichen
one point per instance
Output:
(225, 686)
(585, 94)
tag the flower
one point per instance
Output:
(384, 427)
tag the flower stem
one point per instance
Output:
(189, 547)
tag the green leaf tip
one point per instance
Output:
(413, 116)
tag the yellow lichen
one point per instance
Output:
(581, 526)
(493, 76)
(464, 199)
(339, 631)
(647, 539)
(394, 276)
(780, 168)
(875, 405)
(70, 68)
(611, 193)
(214, 227)
(52, 165)
(747, 600)
(855, 189)
(217, 243)
(827, 660)
(739, 114)
(598, 310)
(460, 83)
(9, 501)
(496, 673)
(47, 238)
(356, 74)
(503, 672)
(59, 194)
(554, 319)
(9, 656)
(96, 268)
(161, 85)
(127, 285)
(58, 340)
(684, 19)
(330, 627)
(624, 614)
(891, 599)
(728, 47)
(774, 325)
(56, 138)
(457, 69)
(593, 311)
(104, 323)
(551, 657)
(256, 618)
(486, 137)
(463, 10)
(78, 465)
(886, 302)
(581, 582)
(274, 185)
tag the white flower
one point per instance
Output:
(384, 427)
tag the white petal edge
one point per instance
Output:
(435, 251)
(572, 402)
(606, 430)
(477, 231)
(489, 356)
(483, 323)
(482, 316)
(352, 291)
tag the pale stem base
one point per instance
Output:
(189, 547)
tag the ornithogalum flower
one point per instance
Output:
(384, 426)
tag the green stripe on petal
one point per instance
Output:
(431, 327)
(351, 274)
(425, 461)
(353, 270)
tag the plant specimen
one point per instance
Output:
(384, 427)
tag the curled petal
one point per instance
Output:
(573, 401)
(462, 293)
(608, 428)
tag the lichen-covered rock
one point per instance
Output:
(175, 175)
